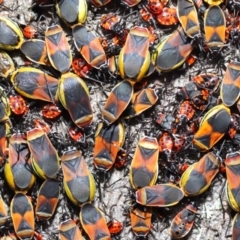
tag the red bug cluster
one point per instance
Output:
(81, 67)
(156, 10)
(76, 134)
(112, 24)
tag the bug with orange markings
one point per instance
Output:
(155, 9)
(68, 229)
(75, 170)
(123, 155)
(144, 166)
(188, 17)
(183, 222)
(191, 60)
(121, 159)
(141, 220)
(152, 39)
(135, 49)
(89, 46)
(17, 167)
(115, 227)
(167, 17)
(196, 96)
(51, 111)
(201, 101)
(185, 113)
(198, 177)
(108, 142)
(36, 51)
(110, 22)
(160, 195)
(41, 124)
(47, 199)
(230, 87)
(113, 64)
(212, 128)
(18, 105)
(155, 6)
(44, 156)
(94, 222)
(118, 41)
(35, 84)
(234, 125)
(22, 214)
(81, 67)
(232, 164)
(58, 49)
(146, 15)
(141, 101)
(166, 143)
(178, 143)
(73, 93)
(117, 101)
(76, 134)
(113, 24)
(214, 28)
(177, 45)
(207, 81)
(29, 31)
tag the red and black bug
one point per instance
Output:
(39, 123)
(113, 23)
(155, 6)
(183, 222)
(166, 144)
(184, 113)
(18, 104)
(167, 17)
(178, 143)
(121, 159)
(51, 111)
(207, 81)
(76, 134)
(29, 31)
(234, 125)
(81, 67)
(115, 227)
